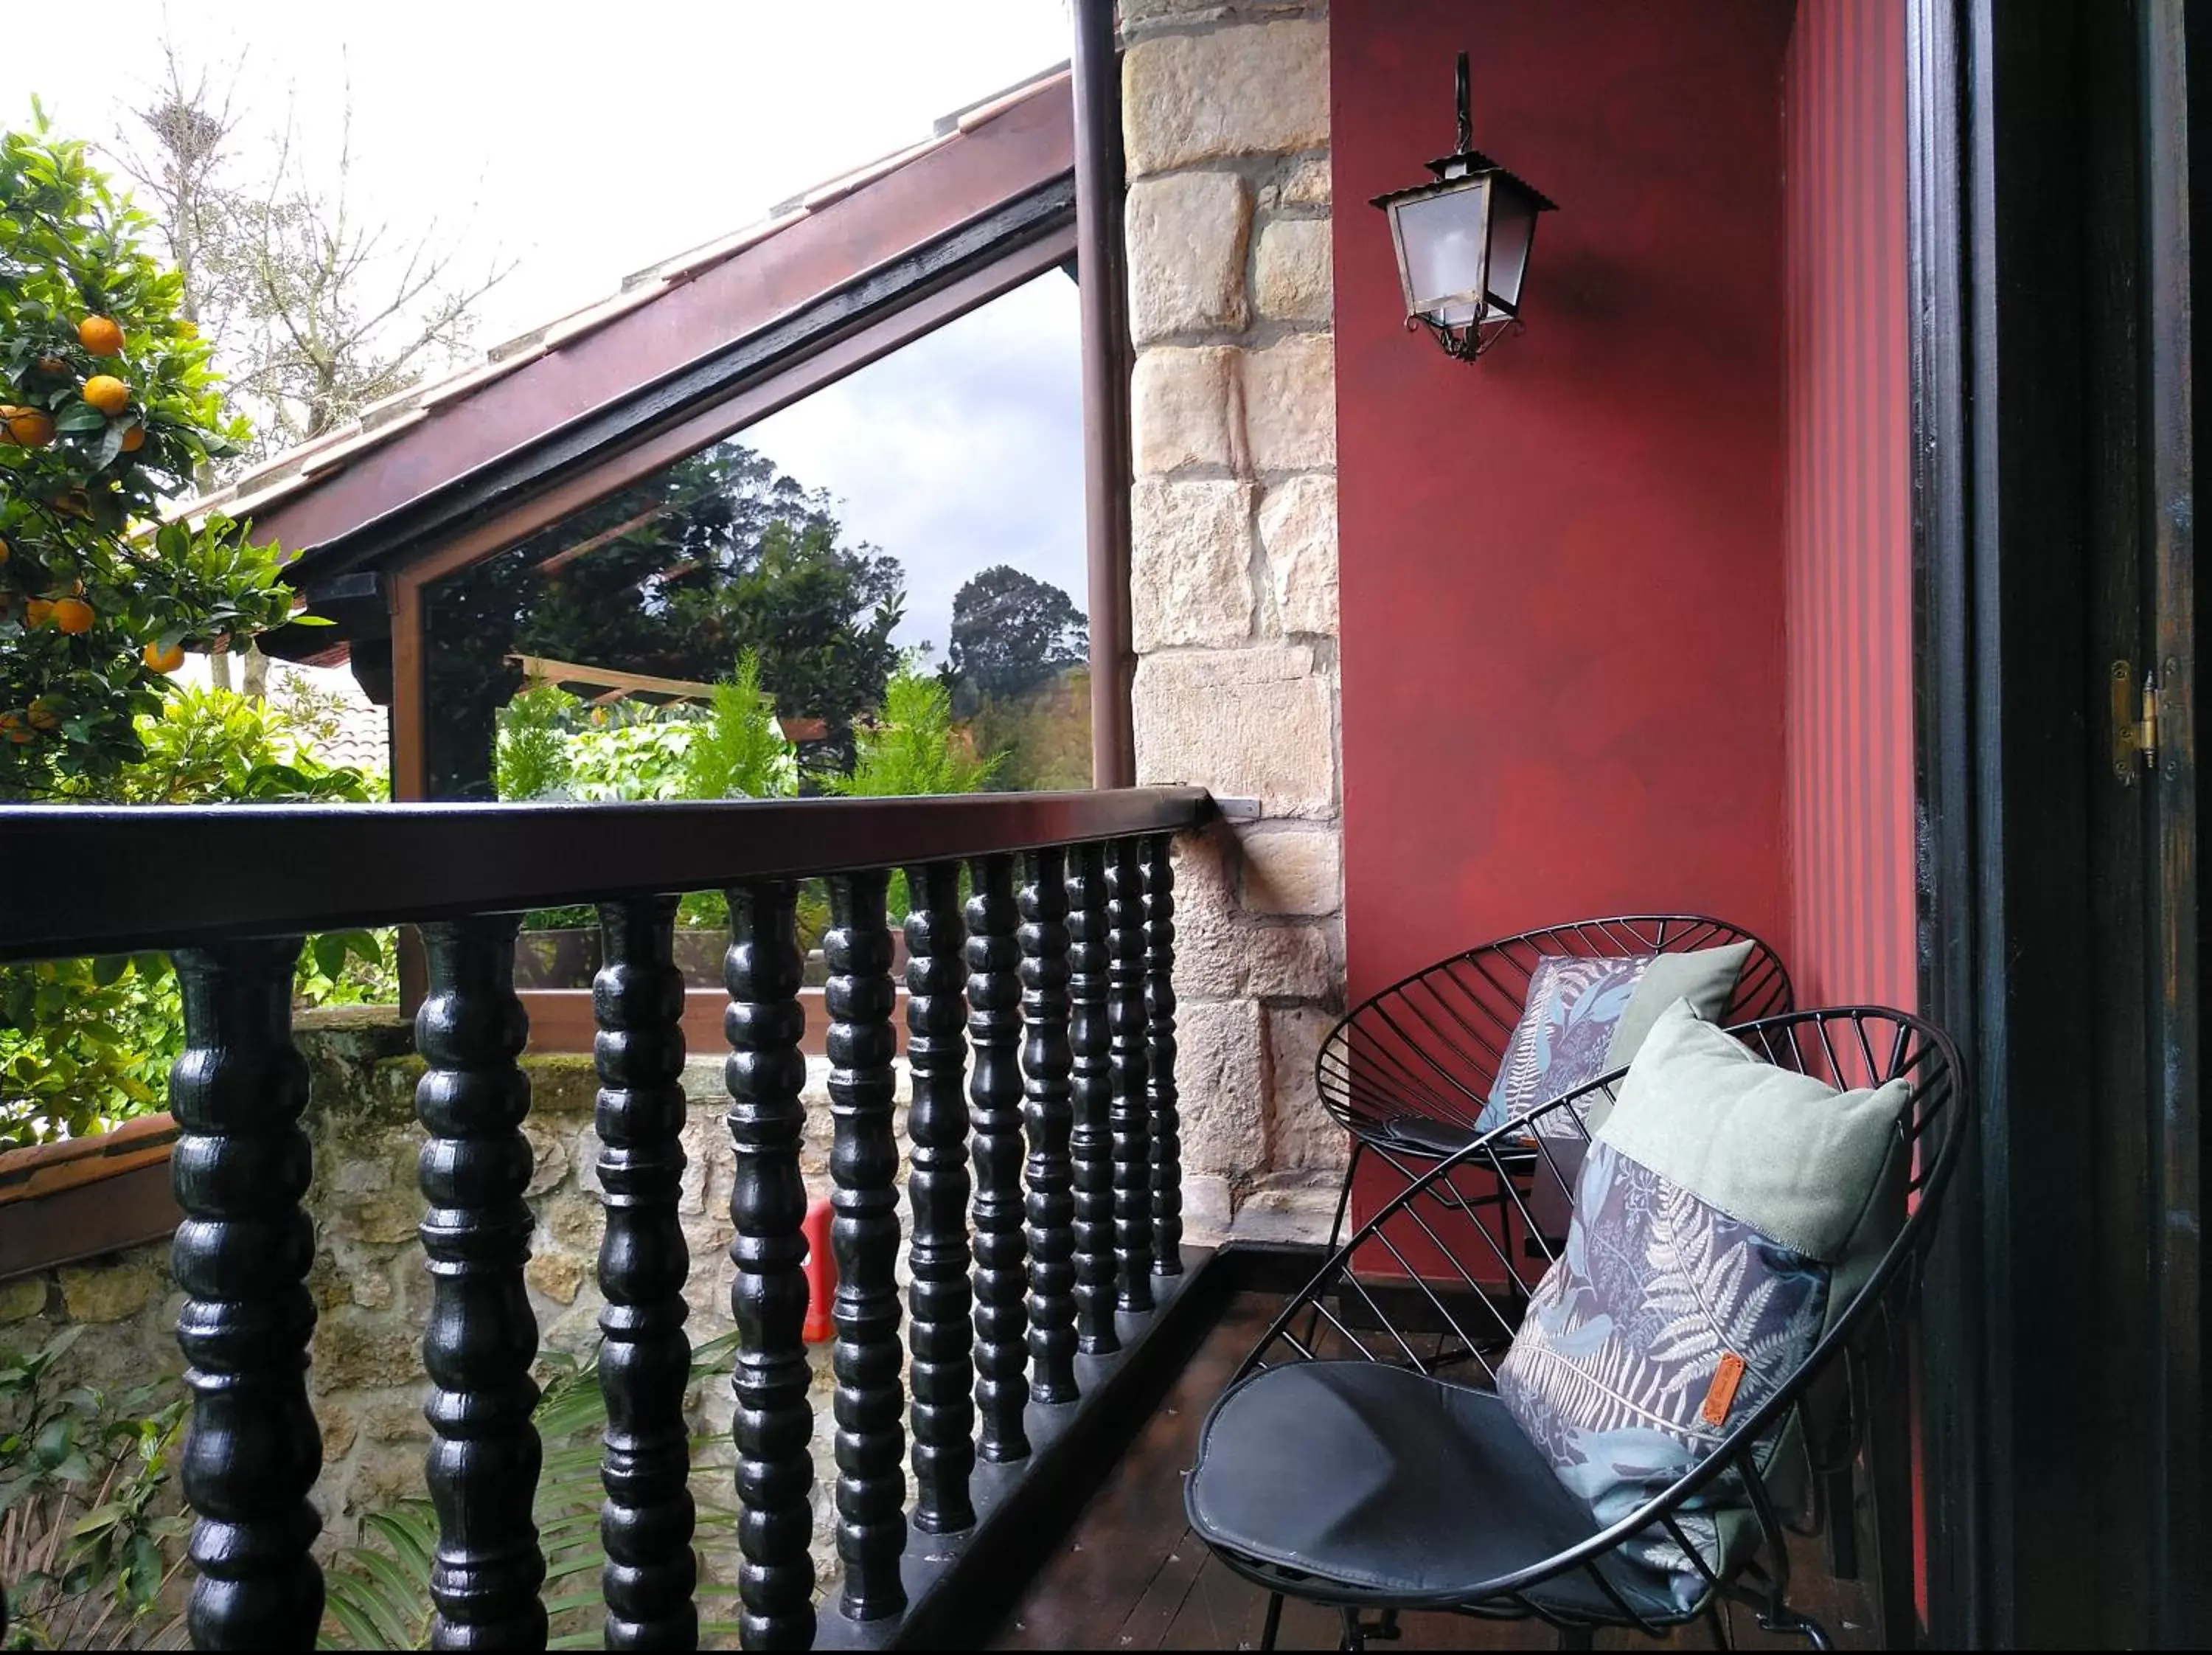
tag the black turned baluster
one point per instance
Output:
(995, 1093)
(1160, 1058)
(766, 1075)
(941, 1302)
(1092, 1092)
(1125, 1023)
(864, 1162)
(484, 1455)
(241, 1254)
(1048, 1115)
(645, 1359)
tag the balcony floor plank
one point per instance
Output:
(1129, 1575)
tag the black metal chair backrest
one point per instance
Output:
(1432, 1044)
(1436, 1317)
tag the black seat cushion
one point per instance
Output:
(1427, 1135)
(1378, 1478)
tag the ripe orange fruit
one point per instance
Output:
(8, 720)
(44, 715)
(107, 393)
(101, 336)
(22, 736)
(73, 615)
(37, 612)
(161, 659)
(27, 427)
(3, 552)
(134, 438)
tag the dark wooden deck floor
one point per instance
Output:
(1130, 1575)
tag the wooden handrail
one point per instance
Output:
(124, 880)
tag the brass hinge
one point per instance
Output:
(2133, 735)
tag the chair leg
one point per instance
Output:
(1784, 1619)
(1577, 1637)
(1355, 1635)
(1344, 1195)
(1336, 1230)
(1843, 1514)
(1273, 1623)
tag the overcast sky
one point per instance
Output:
(588, 144)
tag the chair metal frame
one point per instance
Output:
(1848, 1047)
(1429, 1045)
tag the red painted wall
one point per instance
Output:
(1561, 574)
(1848, 498)
(1849, 548)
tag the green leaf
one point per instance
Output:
(79, 416)
(588, 1561)
(54, 1442)
(369, 1618)
(100, 1516)
(330, 953)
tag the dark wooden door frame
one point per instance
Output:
(2016, 1378)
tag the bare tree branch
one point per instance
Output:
(315, 311)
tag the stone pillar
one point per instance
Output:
(1233, 577)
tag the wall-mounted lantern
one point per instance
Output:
(1463, 243)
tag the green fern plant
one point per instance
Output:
(378, 1591)
(532, 759)
(913, 749)
(739, 751)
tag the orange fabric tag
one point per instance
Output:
(1722, 1392)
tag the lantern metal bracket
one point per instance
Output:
(1465, 343)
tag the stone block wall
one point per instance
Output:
(372, 1289)
(1233, 576)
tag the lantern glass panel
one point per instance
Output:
(1512, 231)
(1440, 240)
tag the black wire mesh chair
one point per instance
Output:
(1407, 1070)
(1342, 1467)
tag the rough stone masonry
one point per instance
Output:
(1233, 577)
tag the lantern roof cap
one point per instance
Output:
(1459, 168)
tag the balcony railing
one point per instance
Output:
(1055, 976)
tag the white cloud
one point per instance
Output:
(960, 451)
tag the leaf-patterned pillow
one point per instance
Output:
(1662, 1322)
(1563, 1035)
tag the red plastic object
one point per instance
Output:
(821, 1274)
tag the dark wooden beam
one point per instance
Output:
(1106, 465)
(1037, 218)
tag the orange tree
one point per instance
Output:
(107, 405)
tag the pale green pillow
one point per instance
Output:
(1705, 977)
(1782, 1152)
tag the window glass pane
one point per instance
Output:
(1444, 246)
(899, 556)
(1513, 227)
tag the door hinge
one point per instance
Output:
(2135, 721)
